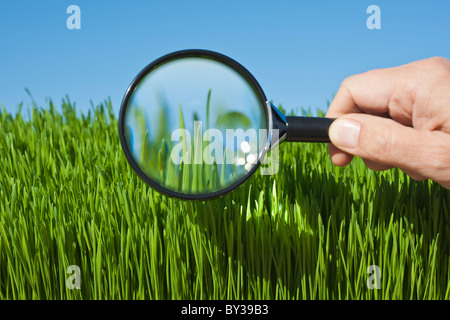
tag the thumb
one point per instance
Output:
(387, 142)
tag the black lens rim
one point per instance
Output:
(158, 62)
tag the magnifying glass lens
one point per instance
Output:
(193, 126)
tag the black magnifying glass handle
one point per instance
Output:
(307, 129)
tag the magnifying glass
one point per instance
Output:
(195, 124)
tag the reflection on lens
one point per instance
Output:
(194, 126)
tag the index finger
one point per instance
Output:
(369, 92)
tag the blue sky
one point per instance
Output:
(299, 51)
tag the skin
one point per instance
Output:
(395, 117)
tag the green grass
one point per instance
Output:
(195, 175)
(68, 197)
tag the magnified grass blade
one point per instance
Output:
(208, 107)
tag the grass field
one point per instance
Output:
(68, 197)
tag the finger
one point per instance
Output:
(338, 157)
(367, 92)
(382, 92)
(386, 142)
(376, 166)
(414, 175)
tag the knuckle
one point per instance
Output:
(434, 159)
(428, 74)
(439, 159)
(431, 62)
(347, 82)
(395, 102)
(438, 61)
(381, 145)
(439, 67)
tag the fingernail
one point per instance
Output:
(345, 133)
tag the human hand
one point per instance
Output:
(395, 117)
